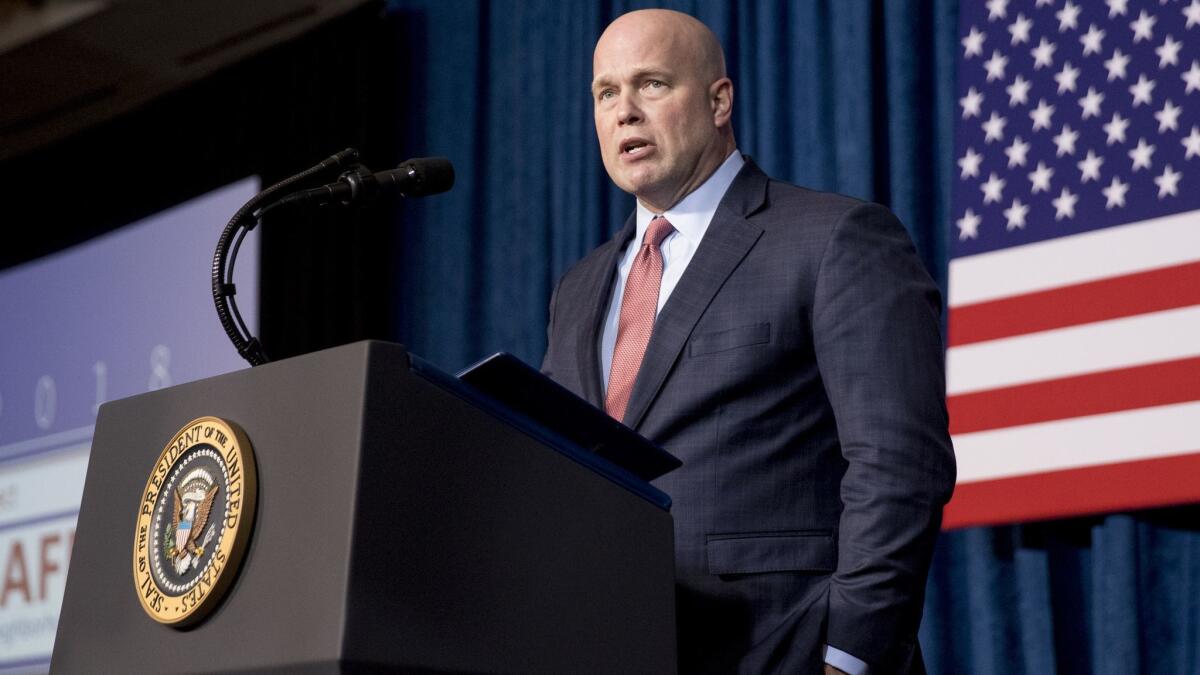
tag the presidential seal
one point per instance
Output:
(194, 521)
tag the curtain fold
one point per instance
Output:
(854, 96)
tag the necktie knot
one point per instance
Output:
(659, 229)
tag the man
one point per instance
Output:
(785, 345)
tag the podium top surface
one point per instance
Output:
(519, 386)
(553, 435)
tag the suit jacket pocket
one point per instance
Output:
(809, 551)
(719, 341)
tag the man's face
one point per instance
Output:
(655, 115)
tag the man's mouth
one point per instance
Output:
(634, 147)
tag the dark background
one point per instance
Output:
(325, 273)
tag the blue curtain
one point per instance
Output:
(846, 95)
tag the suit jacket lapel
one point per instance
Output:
(728, 239)
(599, 284)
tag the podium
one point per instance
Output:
(403, 524)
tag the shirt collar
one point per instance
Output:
(693, 213)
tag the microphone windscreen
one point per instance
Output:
(434, 175)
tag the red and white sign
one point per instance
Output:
(39, 502)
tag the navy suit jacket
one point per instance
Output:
(797, 371)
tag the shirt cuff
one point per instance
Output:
(843, 661)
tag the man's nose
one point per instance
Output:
(628, 112)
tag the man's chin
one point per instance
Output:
(644, 187)
(635, 184)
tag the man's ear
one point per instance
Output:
(720, 96)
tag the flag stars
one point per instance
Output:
(969, 163)
(1065, 141)
(968, 226)
(1066, 77)
(1114, 194)
(1064, 204)
(1017, 152)
(1168, 182)
(1192, 77)
(1168, 117)
(1068, 17)
(1116, 129)
(1041, 115)
(970, 103)
(1091, 40)
(1089, 167)
(1141, 155)
(1043, 54)
(995, 66)
(993, 188)
(1142, 91)
(993, 128)
(1143, 27)
(997, 9)
(1016, 214)
(1019, 29)
(1116, 65)
(1192, 143)
(1040, 177)
(1192, 12)
(1091, 103)
(1018, 91)
(1117, 7)
(1168, 52)
(973, 43)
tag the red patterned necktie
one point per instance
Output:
(639, 304)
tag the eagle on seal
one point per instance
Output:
(193, 501)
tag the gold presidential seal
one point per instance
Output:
(194, 521)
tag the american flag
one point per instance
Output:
(1073, 370)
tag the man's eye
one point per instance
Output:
(606, 94)
(655, 84)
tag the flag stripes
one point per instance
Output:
(1075, 350)
(1092, 394)
(1079, 441)
(1111, 298)
(1108, 487)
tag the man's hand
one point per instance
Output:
(830, 670)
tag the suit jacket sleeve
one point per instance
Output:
(877, 339)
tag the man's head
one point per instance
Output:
(662, 105)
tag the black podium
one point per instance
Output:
(401, 526)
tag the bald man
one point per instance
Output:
(783, 343)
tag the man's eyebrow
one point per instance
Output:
(658, 73)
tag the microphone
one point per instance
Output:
(418, 177)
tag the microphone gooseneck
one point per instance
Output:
(418, 177)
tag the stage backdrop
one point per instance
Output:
(857, 96)
(128, 312)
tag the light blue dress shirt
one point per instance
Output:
(690, 217)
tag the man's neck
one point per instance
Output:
(707, 191)
(660, 205)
